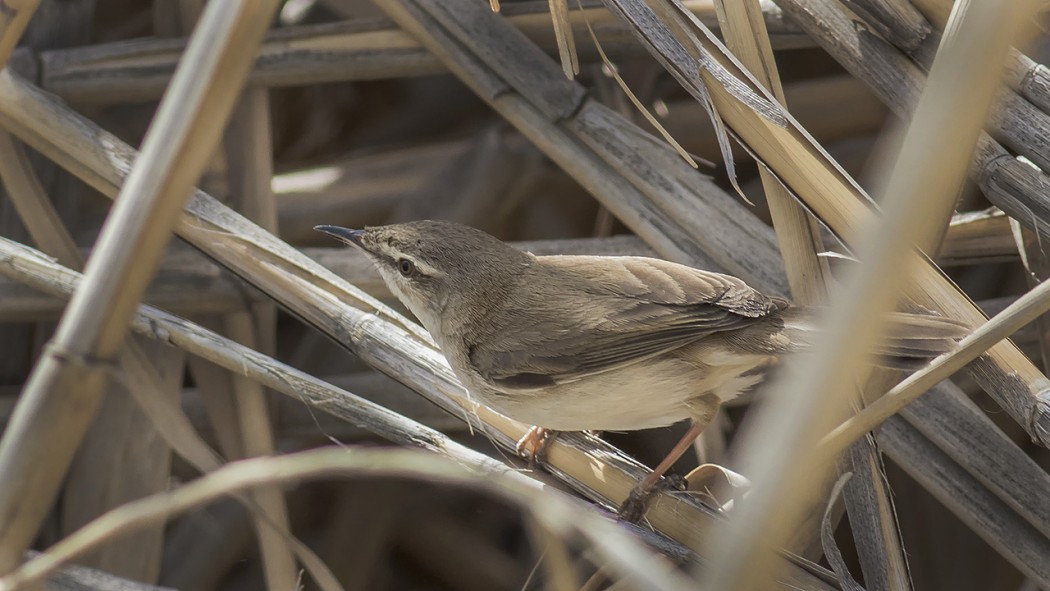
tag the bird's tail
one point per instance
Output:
(913, 339)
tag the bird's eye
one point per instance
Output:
(406, 267)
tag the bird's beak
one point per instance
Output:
(344, 234)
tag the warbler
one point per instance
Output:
(617, 343)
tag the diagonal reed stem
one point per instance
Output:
(1027, 308)
(64, 390)
(920, 195)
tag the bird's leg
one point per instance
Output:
(534, 443)
(634, 507)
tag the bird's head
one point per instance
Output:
(434, 265)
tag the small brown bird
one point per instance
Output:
(575, 343)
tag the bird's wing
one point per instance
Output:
(637, 308)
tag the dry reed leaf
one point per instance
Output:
(563, 516)
(827, 538)
(798, 232)
(720, 485)
(570, 61)
(33, 205)
(615, 73)
(742, 92)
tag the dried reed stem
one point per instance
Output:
(1026, 309)
(1013, 186)
(26, 265)
(14, 17)
(33, 206)
(248, 147)
(1005, 373)
(798, 234)
(919, 195)
(1029, 78)
(976, 506)
(145, 470)
(364, 49)
(797, 231)
(896, 20)
(952, 422)
(971, 239)
(626, 558)
(39, 443)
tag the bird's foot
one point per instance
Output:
(633, 509)
(534, 443)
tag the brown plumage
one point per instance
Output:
(602, 343)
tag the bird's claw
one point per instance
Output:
(633, 508)
(534, 443)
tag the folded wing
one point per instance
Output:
(640, 308)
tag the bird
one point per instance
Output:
(600, 343)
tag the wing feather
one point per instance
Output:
(637, 308)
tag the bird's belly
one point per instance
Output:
(654, 393)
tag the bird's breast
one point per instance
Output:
(653, 393)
